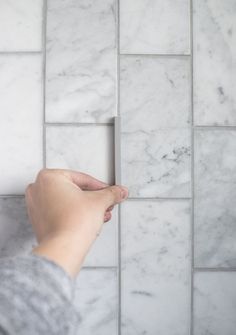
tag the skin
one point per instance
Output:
(67, 210)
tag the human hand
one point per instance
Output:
(67, 210)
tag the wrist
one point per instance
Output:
(66, 248)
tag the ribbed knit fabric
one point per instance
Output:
(36, 297)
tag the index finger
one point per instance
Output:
(85, 181)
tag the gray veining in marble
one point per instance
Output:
(215, 303)
(21, 25)
(215, 198)
(81, 61)
(214, 62)
(155, 262)
(154, 27)
(155, 134)
(97, 302)
(21, 117)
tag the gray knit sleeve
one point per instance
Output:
(36, 297)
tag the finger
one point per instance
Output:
(83, 180)
(107, 216)
(112, 195)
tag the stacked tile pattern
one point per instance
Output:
(166, 263)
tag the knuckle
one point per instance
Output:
(28, 189)
(43, 173)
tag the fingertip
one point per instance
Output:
(124, 192)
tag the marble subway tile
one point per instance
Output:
(104, 251)
(155, 132)
(154, 27)
(21, 25)
(155, 263)
(16, 233)
(214, 62)
(97, 302)
(88, 149)
(20, 121)
(214, 303)
(81, 61)
(215, 198)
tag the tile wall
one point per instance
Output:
(166, 263)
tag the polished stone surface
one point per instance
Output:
(154, 27)
(96, 301)
(155, 132)
(214, 62)
(155, 263)
(21, 117)
(81, 61)
(87, 149)
(215, 198)
(214, 303)
(21, 24)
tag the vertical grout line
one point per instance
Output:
(118, 137)
(192, 173)
(44, 79)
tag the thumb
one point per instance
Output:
(113, 195)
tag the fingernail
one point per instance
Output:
(123, 193)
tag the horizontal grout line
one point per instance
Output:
(214, 269)
(131, 198)
(155, 55)
(156, 199)
(77, 124)
(87, 267)
(12, 195)
(21, 52)
(215, 127)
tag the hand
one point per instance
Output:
(67, 210)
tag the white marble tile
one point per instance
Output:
(155, 258)
(81, 61)
(97, 302)
(88, 149)
(214, 62)
(215, 198)
(21, 25)
(104, 251)
(154, 27)
(16, 233)
(155, 92)
(85, 148)
(214, 303)
(155, 112)
(20, 121)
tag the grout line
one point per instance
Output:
(215, 127)
(119, 160)
(44, 79)
(77, 124)
(128, 199)
(12, 196)
(156, 55)
(192, 174)
(97, 267)
(23, 52)
(215, 269)
(156, 199)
